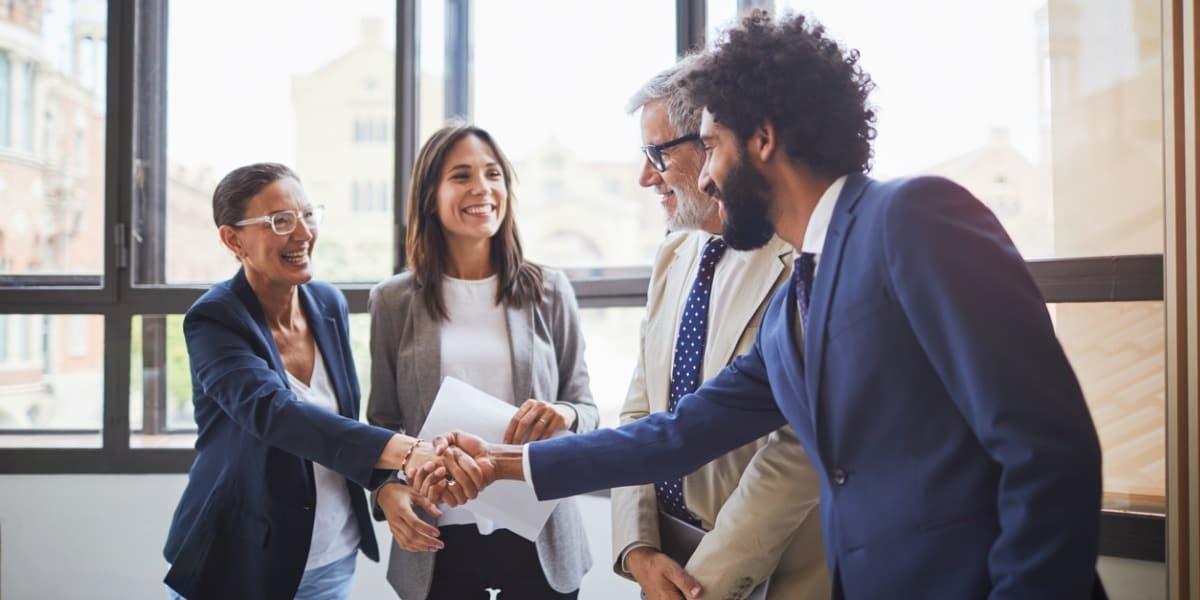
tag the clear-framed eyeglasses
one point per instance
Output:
(283, 222)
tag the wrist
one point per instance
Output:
(636, 557)
(568, 414)
(507, 459)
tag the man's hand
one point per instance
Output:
(660, 576)
(468, 464)
(537, 420)
(397, 501)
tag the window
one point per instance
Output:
(27, 108)
(221, 115)
(54, 207)
(50, 386)
(5, 99)
(559, 117)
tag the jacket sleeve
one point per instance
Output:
(634, 508)
(983, 324)
(775, 500)
(728, 411)
(574, 386)
(383, 404)
(226, 368)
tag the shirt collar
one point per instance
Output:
(818, 224)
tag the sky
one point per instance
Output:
(549, 69)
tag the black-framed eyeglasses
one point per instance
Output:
(654, 151)
(284, 222)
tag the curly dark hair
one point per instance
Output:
(790, 73)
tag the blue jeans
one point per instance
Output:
(330, 582)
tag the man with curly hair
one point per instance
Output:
(912, 352)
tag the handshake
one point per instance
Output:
(455, 467)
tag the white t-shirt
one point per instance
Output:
(335, 533)
(475, 349)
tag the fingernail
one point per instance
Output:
(696, 592)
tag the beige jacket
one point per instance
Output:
(759, 502)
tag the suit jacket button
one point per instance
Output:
(839, 477)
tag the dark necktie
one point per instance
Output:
(802, 277)
(689, 362)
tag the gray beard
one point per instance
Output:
(690, 213)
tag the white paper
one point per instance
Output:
(508, 504)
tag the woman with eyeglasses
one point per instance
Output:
(472, 307)
(274, 506)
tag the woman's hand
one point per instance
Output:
(398, 501)
(537, 420)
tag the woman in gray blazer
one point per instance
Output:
(472, 307)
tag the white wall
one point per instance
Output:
(101, 536)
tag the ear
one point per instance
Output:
(762, 142)
(230, 238)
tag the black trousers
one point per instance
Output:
(472, 564)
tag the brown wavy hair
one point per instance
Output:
(520, 281)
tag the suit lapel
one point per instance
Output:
(762, 270)
(426, 360)
(660, 338)
(245, 293)
(324, 331)
(828, 269)
(520, 339)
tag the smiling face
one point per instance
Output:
(684, 205)
(743, 191)
(472, 196)
(267, 257)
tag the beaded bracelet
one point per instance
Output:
(404, 461)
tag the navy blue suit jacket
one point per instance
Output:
(958, 458)
(243, 526)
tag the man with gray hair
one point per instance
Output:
(757, 504)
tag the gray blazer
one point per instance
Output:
(547, 354)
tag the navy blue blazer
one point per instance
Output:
(957, 456)
(243, 526)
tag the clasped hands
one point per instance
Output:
(454, 469)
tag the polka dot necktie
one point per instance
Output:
(689, 362)
(802, 275)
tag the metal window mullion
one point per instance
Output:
(690, 21)
(407, 98)
(458, 46)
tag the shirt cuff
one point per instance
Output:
(627, 550)
(525, 468)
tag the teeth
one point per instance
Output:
(479, 210)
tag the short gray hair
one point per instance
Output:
(682, 114)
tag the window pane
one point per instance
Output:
(1117, 350)
(612, 344)
(52, 105)
(1050, 112)
(720, 15)
(554, 98)
(431, 57)
(51, 380)
(160, 382)
(322, 104)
